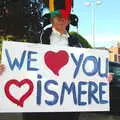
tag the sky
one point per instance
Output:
(106, 22)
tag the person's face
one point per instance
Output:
(60, 22)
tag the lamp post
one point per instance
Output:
(93, 4)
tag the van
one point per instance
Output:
(114, 67)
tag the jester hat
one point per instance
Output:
(59, 7)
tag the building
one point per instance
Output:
(115, 53)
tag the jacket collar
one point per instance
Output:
(58, 33)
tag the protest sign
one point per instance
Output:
(45, 78)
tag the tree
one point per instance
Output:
(83, 41)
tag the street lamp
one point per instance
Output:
(93, 4)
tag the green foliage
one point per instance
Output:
(83, 41)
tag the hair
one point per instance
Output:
(57, 15)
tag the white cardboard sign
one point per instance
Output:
(45, 78)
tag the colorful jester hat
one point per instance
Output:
(59, 7)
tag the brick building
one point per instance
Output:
(115, 53)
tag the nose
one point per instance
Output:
(62, 19)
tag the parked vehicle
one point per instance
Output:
(114, 68)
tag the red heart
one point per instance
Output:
(55, 61)
(19, 102)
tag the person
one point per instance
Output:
(110, 77)
(57, 35)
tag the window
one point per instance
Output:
(118, 50)
(115, 57)
(119, 58)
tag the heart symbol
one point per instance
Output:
(19, 102)
(55, 61)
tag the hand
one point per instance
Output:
(110, 77)
(2, 68)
